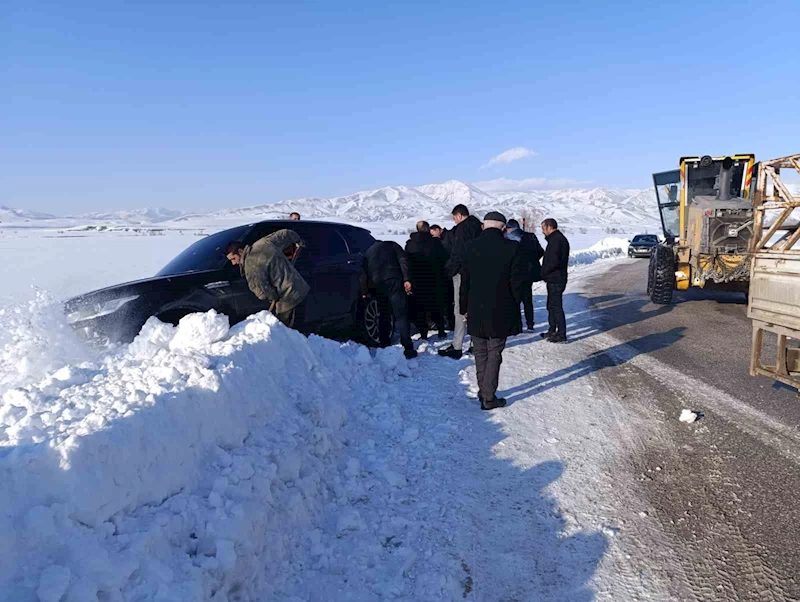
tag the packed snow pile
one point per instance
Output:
(192, 464)
(608, 248)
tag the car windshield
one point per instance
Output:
(206, 254)
(645, 238)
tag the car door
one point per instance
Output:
(332, 274)
(358, 242)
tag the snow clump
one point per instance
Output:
(688, 416)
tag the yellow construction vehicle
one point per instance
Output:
(707, 217)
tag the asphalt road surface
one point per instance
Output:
(725, 488)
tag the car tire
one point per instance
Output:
(367, 323)
(662, 268)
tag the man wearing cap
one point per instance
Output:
(492, 279)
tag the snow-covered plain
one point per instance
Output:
(65, 256)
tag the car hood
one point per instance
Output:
(646, 243)
(158, 284)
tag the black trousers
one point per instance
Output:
(393, 301)
(527, 303)
(555, 308)
(428, 307)
(488, 357)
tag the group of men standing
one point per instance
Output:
(471, 279)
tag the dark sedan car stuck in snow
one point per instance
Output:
(201, 278)
(642, 245)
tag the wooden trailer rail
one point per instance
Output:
(774, 298)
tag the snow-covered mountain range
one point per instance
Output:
(7, 214)
(434, 202)
(593, 207)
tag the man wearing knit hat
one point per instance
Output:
(493, 276)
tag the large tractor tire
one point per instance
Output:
(650, 272)
(662, 275)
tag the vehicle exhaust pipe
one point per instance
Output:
(725, 176)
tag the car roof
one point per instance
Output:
(288, 223)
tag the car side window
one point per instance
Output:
(324, 242)
(260, 231)
(357, 239)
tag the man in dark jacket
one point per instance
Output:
(426, 260)
(270, 274)
(467, 228)
(532, 253)
(384, 272)
(492, 277)
(554, 273)
(444, 236)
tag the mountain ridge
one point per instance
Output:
(433, 202)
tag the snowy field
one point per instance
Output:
(64, 264)
(249, 463)
(67, 255)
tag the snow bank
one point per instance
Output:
(185, 466)
(608, 248)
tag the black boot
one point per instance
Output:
(497, 402)
(451, 352)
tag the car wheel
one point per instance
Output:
(368, 323)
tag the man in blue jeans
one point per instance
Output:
(554, 273)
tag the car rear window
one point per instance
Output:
(206, 254)
(358, 240)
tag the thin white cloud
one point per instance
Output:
(527, 184)
(510, 155)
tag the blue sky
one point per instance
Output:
(109, 104)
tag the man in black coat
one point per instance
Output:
(554, 273)
(492, 277)
(384, 272)
(532, 253)
(467, 228)
(426, 261)
(443, 234)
